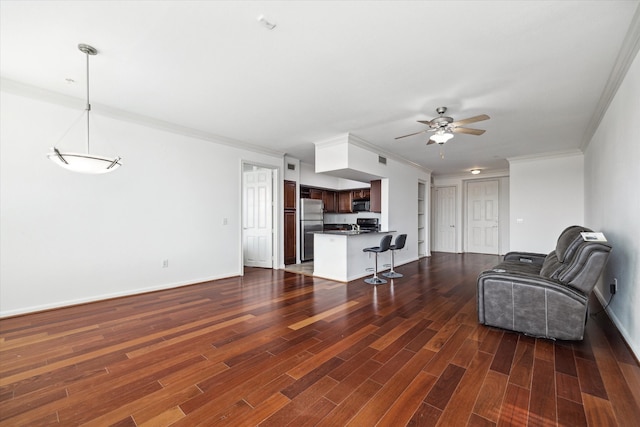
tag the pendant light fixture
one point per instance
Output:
(80, 162)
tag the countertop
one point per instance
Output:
(352, 232)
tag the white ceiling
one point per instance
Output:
(370, 68)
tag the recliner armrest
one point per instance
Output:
(527, 257)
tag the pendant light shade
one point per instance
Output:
(84, 163)
(81, 162)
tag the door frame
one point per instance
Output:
(276, 218)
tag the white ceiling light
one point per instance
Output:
(441, 136)
(80, 162)
(474, 171)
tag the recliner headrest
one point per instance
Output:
(569, 241)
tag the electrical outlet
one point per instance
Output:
(165, 263)
(613, 287)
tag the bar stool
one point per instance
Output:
(397, 245)
(385, 243)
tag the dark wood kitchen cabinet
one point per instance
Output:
(375, 200)
(362, 193)
(345, 201)
(357, 194)
(290, 199)
(290, 204)
(290, 237)
(329, 199)
(315, 193)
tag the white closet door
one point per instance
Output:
(445, 219)
(483, 201)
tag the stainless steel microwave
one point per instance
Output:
(360, 205)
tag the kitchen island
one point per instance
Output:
(338, 255)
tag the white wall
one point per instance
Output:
(69, 238)
(460, 182)
(612, 202)
(547, 195)
(292, 175)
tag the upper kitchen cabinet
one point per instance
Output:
(345, 202)
(315, 193)
(329, 198)
(362, 193)
(376, 196)
(290, 198)
(335, 201)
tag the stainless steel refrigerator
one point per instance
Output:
(311, 220)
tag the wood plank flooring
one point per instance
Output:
(274, 348)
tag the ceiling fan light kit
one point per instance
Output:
(441, 136)
(444, 127)
(80, 162)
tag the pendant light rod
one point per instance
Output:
(88, 50)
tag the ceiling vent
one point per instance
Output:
(382, 160)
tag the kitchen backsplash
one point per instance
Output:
(347, 218)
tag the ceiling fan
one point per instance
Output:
(444, 127)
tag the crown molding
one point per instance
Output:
(21, 89)
(334, 140)
(627, 54)
(546, 155)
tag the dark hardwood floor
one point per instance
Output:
(274, 348)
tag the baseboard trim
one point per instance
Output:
(105, 297)
(625, 335)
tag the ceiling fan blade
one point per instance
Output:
(474, 119)
(469, 131)
(411, 134)
(425, 122)
(431, 141)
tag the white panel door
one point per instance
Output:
(445, 219)
(483, 198)
(257, 218)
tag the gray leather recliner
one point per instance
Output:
(544, 295)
